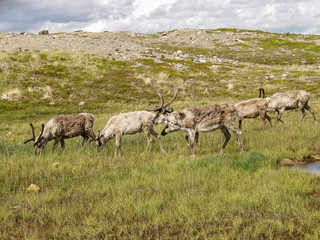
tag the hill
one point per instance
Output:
(64, 69)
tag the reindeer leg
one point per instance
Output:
(149, 139)
(62, 143)
(269, 119)
(187, 138)
(263, 118)
(117, 152)
(280, 112)
(223, 138)
(303, 113)
(56, 142)
(196, 138)
(192, 135)
(227, 137)
(311, 111)
(155, 134)
(85, 139)
(240, 124)
(238, 133)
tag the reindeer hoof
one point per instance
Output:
(222, 153)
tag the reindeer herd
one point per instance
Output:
(223, 116)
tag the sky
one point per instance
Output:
(151, 16)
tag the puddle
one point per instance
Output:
(311, 167)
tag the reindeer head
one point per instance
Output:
(99, 141)
(163, 111)
(39, 142)
(169, 129)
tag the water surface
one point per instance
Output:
(311, 167)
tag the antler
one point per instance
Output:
(42, 125)
(162, 106)
(261, 91)
(33, 134)
(158, 107)
(175, 90)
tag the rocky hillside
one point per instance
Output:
(205, 64)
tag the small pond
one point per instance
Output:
(311, 167)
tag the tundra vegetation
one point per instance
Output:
(153, 195)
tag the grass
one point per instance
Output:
(155, 195)
(152, 195)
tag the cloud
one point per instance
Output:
(145, 16)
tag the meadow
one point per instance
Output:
(152, 195)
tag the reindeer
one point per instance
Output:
(252, 108)
(63, 127)
(128, 124)
(280, 102)
(198, 119)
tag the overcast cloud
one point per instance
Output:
(150, 16)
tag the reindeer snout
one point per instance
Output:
(164, 132)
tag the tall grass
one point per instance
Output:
(90, 195)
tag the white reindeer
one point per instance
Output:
(199, 119)
(127, 124)
(63, 127)
(280, 102)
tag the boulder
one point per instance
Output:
(33, 188)
(43, 32)
(82, 103)
(287, 162)
(315, 158)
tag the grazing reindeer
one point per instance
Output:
(201, 119)
(253, 108)
(280, 102)
(63, 127)
(127, 124)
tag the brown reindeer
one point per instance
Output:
(198, 119)
(252, 108)
(63, 127)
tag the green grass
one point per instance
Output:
(161, 195)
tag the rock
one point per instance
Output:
(33, 188)
(56, 165)
(315, 158)
(287, 162)
(43, 32)
(82, 103)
